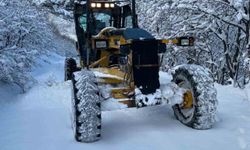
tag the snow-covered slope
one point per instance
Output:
(40, 119)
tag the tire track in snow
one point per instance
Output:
(243, 138)
(242, 141)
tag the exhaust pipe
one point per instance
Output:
(134, 15)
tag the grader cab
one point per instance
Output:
(118, 60)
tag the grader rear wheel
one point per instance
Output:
(69, 68)
(199, 105)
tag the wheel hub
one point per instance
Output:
(187, 100)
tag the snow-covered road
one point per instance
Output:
(40, 120)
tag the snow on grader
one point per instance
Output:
(119, 61)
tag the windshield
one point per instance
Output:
(102, 20)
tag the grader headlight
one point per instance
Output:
(112, 5)
(102, 5)
(98, 5)
(106, 5)
(93, 5)
(185, 41)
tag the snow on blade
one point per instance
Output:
(148, 100)
(104, 75)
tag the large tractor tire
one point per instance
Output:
(199, 106)
(69, 68)
(86, 107)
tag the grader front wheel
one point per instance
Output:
(86, 107)
(199, 105)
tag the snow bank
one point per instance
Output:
(65, 28)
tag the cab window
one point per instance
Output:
(128, 22)
(83, 22)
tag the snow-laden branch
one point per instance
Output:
(24, 36)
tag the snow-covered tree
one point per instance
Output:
(221, 29)
(24, 37)
(62, 7)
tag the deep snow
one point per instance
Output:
(40, 120)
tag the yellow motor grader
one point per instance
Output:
(118, 60)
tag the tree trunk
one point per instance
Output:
(236, 57)
(248, 30)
